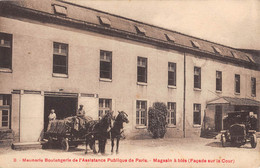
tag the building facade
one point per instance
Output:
(59, 55)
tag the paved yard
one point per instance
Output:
(175, 152)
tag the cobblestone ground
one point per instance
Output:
(176, 152)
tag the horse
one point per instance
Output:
(117, 127)
(98, 130)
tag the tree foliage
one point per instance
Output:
(157, 119)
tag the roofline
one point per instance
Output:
(10, 10)
(148, 24)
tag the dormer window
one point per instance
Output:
(61, 10)
(104, 21)
(216, 50)
(195, 44)
(170, 38)
(234, 54)
(140, 30)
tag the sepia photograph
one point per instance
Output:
(149, 83)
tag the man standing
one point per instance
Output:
(52, 115)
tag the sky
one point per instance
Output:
(234, 23)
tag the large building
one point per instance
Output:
(55, 54)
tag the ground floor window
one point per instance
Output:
(105, 105)
(5, 103)
(196, 114)
(141, 110)
(171, 116)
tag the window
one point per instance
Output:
(234, 54)
(216, 50)
(104, 21)
(197, 77)
(237, 83)
(196, 114)
(253, 86)
(106, 64)
(218, 81)
(5, 103)
(171, 74)
(170, 38)
(61, 10)
(195, 44)
(60, 58)
(105, 106)
(140, 30)
(171, 116)
(142, 69)
(5, 51)
(141, 111)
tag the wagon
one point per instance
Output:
(238, 130)
(64, 134)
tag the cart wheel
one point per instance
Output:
(65, 144)
(253, 141)
(223, 140)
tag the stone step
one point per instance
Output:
(6, 134)
(6, 142)
(26, 145)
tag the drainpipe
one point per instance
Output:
(184, 96)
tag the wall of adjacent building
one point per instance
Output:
(208, 86)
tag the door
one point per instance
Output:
(218, 118)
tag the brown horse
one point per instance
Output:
(117, 128)
(98, 130)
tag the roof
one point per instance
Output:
(235, 101)
(130, 26)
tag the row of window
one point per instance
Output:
(197, 81)
(60, 65)
(105, 105)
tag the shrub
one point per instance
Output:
(157, 119)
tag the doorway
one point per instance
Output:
(218, 118)
(63, 106)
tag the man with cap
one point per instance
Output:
(81, 111)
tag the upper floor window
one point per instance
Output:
(142, 69)
(237, 83)
(5, 103)
(105, 106)
(141, 110)
(5, 50)
(197, 77)
(106, 64)
(60, 58)
(196, 114)
(253, 86)
(218, 81)
(171, 116)
(171, 74)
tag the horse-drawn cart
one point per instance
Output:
(66, 133)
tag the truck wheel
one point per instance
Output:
(65, 144)
(223, 140)
(253, 141)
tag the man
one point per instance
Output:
(52, 115)
(252, 121)
(81, 111)
(80, 117)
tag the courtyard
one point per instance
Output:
(175, 152)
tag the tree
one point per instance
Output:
(157, 119)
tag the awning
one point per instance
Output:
(235, 101)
